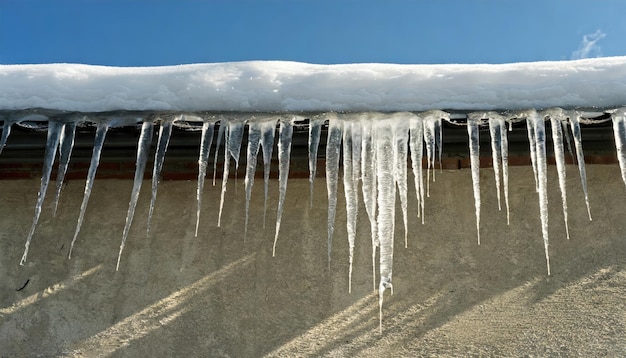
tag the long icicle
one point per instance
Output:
(165, 131)
(203, 158)
(537, 122)
(315, 130)
(145, 140)
(234, 135)
(284, 153)
(532, 138)
(226, 170)
(66, 144)
(496, 151)
(556, 117)
(101, 131)
(368, 170)
(400, 157)
(619, 133)
(268, 132)
(220, 133)
(504, 150)
(574, 117)
(333, 147)
(52, 142)
(254, 143)
(386, 209)
(350, 193)
(474, 146)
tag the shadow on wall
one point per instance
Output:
(218, 295)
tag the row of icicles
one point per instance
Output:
(375, 148)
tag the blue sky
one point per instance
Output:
(148, 33)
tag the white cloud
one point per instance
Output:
(589, 46)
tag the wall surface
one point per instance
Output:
(223, 295)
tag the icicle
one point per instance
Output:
(205, 149)
(495, 129)
(220, 133)
(386, 208)
(350, 192)
(416, 131)
(539, 143)
(6, 130)
(234, 135)
(254, 143)
(619, 132)
(432, 137)
(54, 133)
(357, 134)
(368, 170)
(165, 131)
(438, 142)
(400, 156)
(284, 153)
(66, 144)
(504, 151)
(575, 125)
(556, 118)
(315, 130)
(101, 131)
(533, 151)
(268, 132)
(569, 141)
(473, 121)
(333, 146)
(145, 140)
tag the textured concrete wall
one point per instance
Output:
(220, 295)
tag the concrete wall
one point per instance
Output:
(220, 295)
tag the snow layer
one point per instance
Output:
(292, 86)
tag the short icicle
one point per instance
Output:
(619, 133)
(55, 129)
(556, 117)
(101, 131)
(538, 125)
(333, 148)
(165, 131)
(203, 158)
(234, 135)
(400, 158)
(143, 149)
(220, 134)
(386, 209)
(574, 121)
(416, 145)
(473, 121)
(429, 139)
(254, 143)
(66, 144)
(6, 130)
(315, 130)
(350, 192)
(268, 132)
(496, 151)
(284, 153)
(368, 170)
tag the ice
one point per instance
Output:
(6, 130)
(569, 141)
(284, 153)
(165, 131)
(220, 134)
(539, 143)
(254, 144)
(400, 156)
(357, 134)
(416, 131)
(205, 149)
(268, 132)
(495, 132)
(384, 144)
(333, 147)
(350, 187)
(55, 129)
(66, 144)
(473, 121)
(315, 130)
(432, 137)
(143, 149)
(619, 132)
(504, 151)
(556, 118)
(368, 187)
(532, 138)
(234, 136)
(574, 122)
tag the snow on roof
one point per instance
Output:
(292, 86)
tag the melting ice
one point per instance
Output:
(373, 149)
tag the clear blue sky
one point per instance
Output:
(154, 32)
